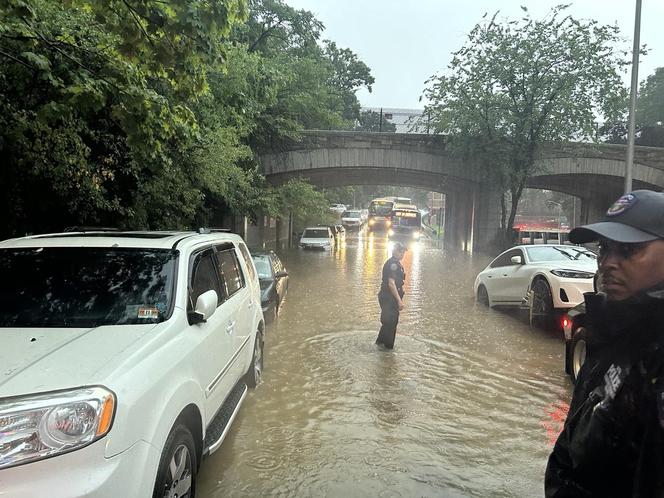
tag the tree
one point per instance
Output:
(649, 115)
(516, 84)
(374, 121)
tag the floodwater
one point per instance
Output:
(467, 404)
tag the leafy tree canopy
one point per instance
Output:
(518, 83)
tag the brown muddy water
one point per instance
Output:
(467, 404)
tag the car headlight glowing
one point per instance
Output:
(371, 222)
(388, 223)
(40, 426)
(390, 232)
(573, 274)
(416, 235)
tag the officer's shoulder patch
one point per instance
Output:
(394, 267)
(622, 205)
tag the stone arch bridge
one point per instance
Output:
(592, 172)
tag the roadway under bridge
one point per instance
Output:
(592, 172)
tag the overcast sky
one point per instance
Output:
(405, 42)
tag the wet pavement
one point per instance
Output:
(467, 404)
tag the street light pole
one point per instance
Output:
(632, 98)
(560, 214)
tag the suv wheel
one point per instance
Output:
(253, 376)
(176, 476)
(578, 348)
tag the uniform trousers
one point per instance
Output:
(389, 318)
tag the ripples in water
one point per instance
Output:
(467, 404)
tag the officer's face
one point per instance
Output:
(398, 254)
(626, 269)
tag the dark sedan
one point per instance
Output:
(274, 282)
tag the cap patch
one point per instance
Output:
(622, 205)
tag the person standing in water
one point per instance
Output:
(390, 296)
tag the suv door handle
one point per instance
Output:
(230, 326)
(251, 304)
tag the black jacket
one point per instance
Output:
(393, 269)
(612, 443)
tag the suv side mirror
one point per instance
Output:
(516, 260)
(206, 305)
(281, 274)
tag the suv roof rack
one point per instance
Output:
(207, 230)
(90, 229)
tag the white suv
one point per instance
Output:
(125, 357)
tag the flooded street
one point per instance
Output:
(466, 404)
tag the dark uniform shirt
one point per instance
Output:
(393, 269)
(613, 440)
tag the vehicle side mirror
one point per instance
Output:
(206, 305)
(281, 274)
(516, 260)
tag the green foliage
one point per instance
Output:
(374, 121)
(649, 115)
(149, 113)
(518, 83)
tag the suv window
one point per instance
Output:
(231, 274)
(204, 278)
(505, 259)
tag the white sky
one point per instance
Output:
(405, 42)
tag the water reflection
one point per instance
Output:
(466, 405)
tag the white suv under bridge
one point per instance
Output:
(125, 357)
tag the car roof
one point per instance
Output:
(128, 239)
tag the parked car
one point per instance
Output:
(317, 238)
(273, 279)
(548, 277)
(338, 208)
(125, 358)
(352, 220)
(575, 327)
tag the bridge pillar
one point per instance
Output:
(486, 218)
(458, 221)
(472, 219)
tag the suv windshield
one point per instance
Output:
(316, 234)
(351, 214)
(85, 286)
(553, 253)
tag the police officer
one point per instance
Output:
(612, 443)
(390, 296)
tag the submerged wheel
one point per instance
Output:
(482, 296)
(176, 476)
(578, 349)
(253, 375)
(541, 305)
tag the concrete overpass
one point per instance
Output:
(592, 172)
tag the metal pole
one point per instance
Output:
(380, 123)
(632, 98)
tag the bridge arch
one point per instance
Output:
(592, 172)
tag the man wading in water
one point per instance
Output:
(390, 296)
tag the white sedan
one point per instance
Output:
(554, 276)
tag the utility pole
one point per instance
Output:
(380, 123)
(632, 98)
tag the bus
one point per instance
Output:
(380, 213)
(406, 222)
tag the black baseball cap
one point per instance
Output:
(636, 217)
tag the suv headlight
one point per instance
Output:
(572, 274)
(43, 425)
